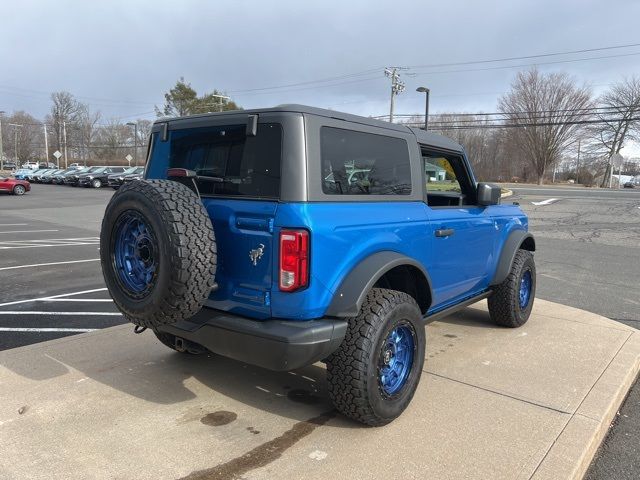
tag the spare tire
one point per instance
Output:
(158, 252)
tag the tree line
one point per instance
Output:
(71, 126)
(548, 126)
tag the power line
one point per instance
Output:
(526, 57)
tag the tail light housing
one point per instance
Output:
(294, 260)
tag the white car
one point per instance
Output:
(31, 165)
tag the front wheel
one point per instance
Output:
(375, 372)
(511, 303)
(19, 190)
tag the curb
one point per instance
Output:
(575, 447)
(506, 194)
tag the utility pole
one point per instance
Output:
(15, 139)
(64, 135)
(1, 150)
(46, 145)
(397, 86)
(135, 142)
(578, 164)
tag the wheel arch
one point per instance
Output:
(517, 239)
(384, 269)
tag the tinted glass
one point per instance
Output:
(357, 163)
(241, 165)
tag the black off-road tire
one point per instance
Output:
(504, 302)
(186, 253)
(352, 371)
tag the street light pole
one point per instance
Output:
(46, 145)
(135, 142)
(1, 150)
(15, 139)
(425, 90)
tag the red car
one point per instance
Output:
(11, 185)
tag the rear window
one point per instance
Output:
(357, 163)
(247, 166)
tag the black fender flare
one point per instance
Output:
(516, 240)
(348, 298)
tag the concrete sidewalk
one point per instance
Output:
(533, 402)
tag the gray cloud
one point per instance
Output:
(121, 56)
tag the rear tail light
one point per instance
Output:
(294, 259)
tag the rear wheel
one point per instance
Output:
(511, 303)
(375, 372)
(19, 190)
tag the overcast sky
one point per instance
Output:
(121, 56)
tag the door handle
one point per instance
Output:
(444, 232)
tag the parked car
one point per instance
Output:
(49, 176)
(98, 178)
(47, 165)
(12, 185)
(37, 178)
(629, 185)
(34, 173)
(21, 174)
(116, 180)
(76, 165)
(72, 178)
(10, 165)
(258, 256)
(31, 165)
(58, 178)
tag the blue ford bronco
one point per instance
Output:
(286, 236)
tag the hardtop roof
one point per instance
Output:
(423, 137)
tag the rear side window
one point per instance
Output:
(241, 165)
(357, 163)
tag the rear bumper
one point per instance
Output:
(273, 344)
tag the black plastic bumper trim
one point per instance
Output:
(273, 344)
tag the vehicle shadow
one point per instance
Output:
(161, 376)
(152, 372)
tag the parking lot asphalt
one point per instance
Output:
(50, 277)
(588, 256)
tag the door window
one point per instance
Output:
(447, 183)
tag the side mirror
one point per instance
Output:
(488, 194)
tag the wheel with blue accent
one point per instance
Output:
(373, 375)
(511, 302)
(158, 252)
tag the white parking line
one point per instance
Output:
(13, 224)
(29, 231)
(48, 264)
(92, 300)
(545, 202)
(22, 329)
(25, 312)
(33, 244)
(53, 296)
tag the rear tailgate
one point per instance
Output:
(244, 238)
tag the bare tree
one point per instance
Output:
(85, 130)
(542, 111)
(113, 139)
(24, 137)
(619, 113)
(64, 110)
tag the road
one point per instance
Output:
(588, 256)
